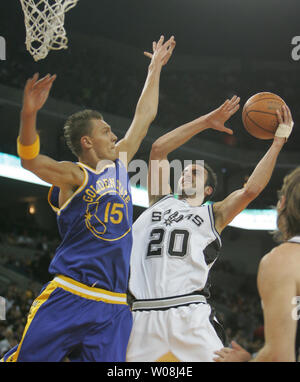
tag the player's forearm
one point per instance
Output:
(263, 171)
(147, 105)
(268, 355)
(179, 136)
(27, 131)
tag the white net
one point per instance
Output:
(44, 22)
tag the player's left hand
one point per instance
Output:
(286, 123)
(234, 354)
(215, 120)
(161, 51)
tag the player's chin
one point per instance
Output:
(192, 192)
(113, 156)
(185, 191)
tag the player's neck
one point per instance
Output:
(192, 200)
(89, 163)
(93, 161)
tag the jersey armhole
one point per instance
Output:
(58, 210)
(212, 223)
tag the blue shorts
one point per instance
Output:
(70, 319)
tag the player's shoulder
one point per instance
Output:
(162, 198)
(285, 257)
(68, 174)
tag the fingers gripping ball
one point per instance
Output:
(259, 115)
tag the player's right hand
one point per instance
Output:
(36, 92)
(215, 120)
(234, 354)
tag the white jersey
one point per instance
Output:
(174, 247)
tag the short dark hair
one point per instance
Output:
(77, 125)
(211, 181)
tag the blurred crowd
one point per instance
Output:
(239, 313)
(18, 303)
(35, 266)
(238, 309)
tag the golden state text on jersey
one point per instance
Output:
(95, 227)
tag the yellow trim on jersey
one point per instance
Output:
(54, 284)
(93, 170)
(55, 209)
(90, 228)
(79, 189)
(37, 303)
(118, 238)
(92, 293)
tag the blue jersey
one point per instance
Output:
(95, 227)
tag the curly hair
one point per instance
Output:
(288, 219)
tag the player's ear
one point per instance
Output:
(86, 142)
(281, 203)
(208, 190)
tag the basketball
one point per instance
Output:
(259, 114)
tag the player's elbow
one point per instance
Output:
(158, 150)
(280, 356)
(252, 191)
(26, 164)
(30, 165)
(274, 353)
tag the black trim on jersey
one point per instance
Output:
(212, 223)
(211, 251)
(201, 293)
(168, 307)
(206, 290)
(219, 329)
(198, 292)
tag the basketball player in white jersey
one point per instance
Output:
(279, 285)
(175, 243)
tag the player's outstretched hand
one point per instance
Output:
(215, 120)
(36, 92)
(234, 354)
(161, 51)
(286, 123)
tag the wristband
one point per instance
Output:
(284, 130)
(28, 152)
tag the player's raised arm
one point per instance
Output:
(158, 175)
(226, 210)
(147, 105)
(58, 173)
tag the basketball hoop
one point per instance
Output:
(44, 23)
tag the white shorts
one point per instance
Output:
(185, 331)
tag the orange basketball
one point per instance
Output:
(259, 114)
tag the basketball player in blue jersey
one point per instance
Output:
(278, 284)
(83, 313)
(176, 242)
